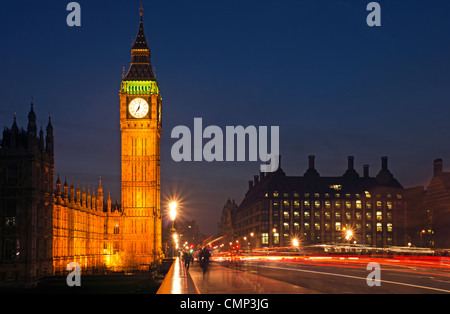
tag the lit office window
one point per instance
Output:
(389, 227)
(379, 227)
(379, 216)
(265, 238)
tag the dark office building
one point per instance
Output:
(317, 209)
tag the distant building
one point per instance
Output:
(314, 209)
(226, 225)
(430, 214)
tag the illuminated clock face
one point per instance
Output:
(138, 108)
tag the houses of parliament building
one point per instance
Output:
(45, 226)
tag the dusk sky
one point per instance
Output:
(335, 86)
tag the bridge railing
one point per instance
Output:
(177, 280)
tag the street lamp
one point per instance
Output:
(173, 213)
(295, 243)
(348, 235)
(175, 240)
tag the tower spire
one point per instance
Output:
(140, 68)
(141, 10)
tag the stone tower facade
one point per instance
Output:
(140, 124)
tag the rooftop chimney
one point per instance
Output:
(366, 171)
(311, 161)
(384, 163)
(437, 167)
(350, 160)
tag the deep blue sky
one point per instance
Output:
(335, 86)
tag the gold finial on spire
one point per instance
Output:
(141, 10)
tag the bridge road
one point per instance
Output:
(348, 277)
(226, 280)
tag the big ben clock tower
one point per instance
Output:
(140, 125)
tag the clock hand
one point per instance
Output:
(139, 107)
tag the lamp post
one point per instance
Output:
(173, 214)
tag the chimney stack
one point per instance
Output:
(311, 161)
(384, 163)
(350, 161)
(366, 171)
(437, 167)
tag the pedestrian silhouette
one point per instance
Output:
(187, 257)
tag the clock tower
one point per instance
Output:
(140, 125)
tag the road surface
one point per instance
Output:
(320, 274)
